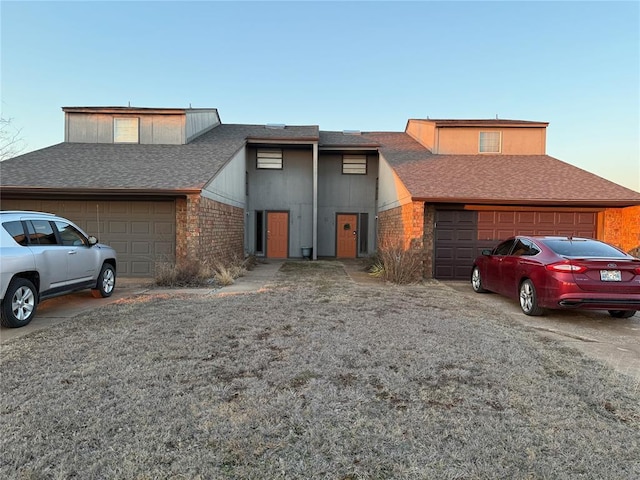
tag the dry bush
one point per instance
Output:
(190, 273)
(395, 263)
(635, 252)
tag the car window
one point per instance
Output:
(582, 248)
(520, 248)
(532, 248)
(70, 235)
(16, 230)
(41, 233)
(525, 247)
(504, 248)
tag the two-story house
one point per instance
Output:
(163, 184)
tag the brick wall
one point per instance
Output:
(208, 231)
(621, 227)
(404, 227)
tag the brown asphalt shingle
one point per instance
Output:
(491, 179)
(106, 166)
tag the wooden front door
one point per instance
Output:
(346, 235)
(277, 234)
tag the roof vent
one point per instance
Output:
(275, 126)
(351, 132)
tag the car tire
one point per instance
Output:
(622, 313)
(19, 304)
(529, 299)
(106, 282)
(476, 281)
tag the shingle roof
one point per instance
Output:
(106, 167)
(481, 122)
(501, 179)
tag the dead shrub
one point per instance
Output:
(395, 263)
(635, 252)
(190, 273)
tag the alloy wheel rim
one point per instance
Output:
(22, 303)
(475, 279)
(526, 297)
(108, 281)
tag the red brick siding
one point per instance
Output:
(621, 227)
(404, 226)
(208, 231)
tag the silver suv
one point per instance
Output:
(43, 256)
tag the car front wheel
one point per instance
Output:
(476, 281)
(529, 299)
(19, 304)
(106, 282)
(622, 313)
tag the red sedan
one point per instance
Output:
(560, 272)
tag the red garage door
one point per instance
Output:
(460, 235)
(498, 225)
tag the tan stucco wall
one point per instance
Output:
(465, 141)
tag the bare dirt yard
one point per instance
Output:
(314, 377)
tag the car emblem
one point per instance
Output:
(611, 265)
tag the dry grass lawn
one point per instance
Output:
(315, 378)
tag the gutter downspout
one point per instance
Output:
(314, 233)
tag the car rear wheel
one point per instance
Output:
(19, 304)
(622, 313)
(476, 281)
(529, 299)
(106, 282)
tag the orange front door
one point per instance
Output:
(277, 234)
(346, 236)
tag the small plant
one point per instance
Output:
(189, 273)
(395, 263)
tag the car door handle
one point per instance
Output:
(72, 252)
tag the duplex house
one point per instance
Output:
(179, 185)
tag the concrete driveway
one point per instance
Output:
(615, 341)
(55, 310)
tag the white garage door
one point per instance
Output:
(142, 232)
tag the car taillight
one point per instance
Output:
(566, 267)
(637, 270)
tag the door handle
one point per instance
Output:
(72, 252)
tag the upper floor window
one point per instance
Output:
(490, 142)
(270, 158)
(354, 164)
(125, 130)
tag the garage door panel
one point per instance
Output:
(458, 240)
(165, 228)
(117, 228)
(139, 231)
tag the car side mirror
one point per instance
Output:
(486, 251)
(92, 241)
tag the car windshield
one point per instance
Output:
(582, 248)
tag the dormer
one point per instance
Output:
(478, 137)
(133, 125)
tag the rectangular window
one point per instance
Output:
(259, 231)
(270, 158)
(354, 164)
(490, 142)
(364, 233)
(125, 130)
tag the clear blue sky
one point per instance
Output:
(340, 65)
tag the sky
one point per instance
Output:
(364, 65)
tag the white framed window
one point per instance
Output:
(270, 158)
(354, 164)
(490, 142)
(126, 130)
